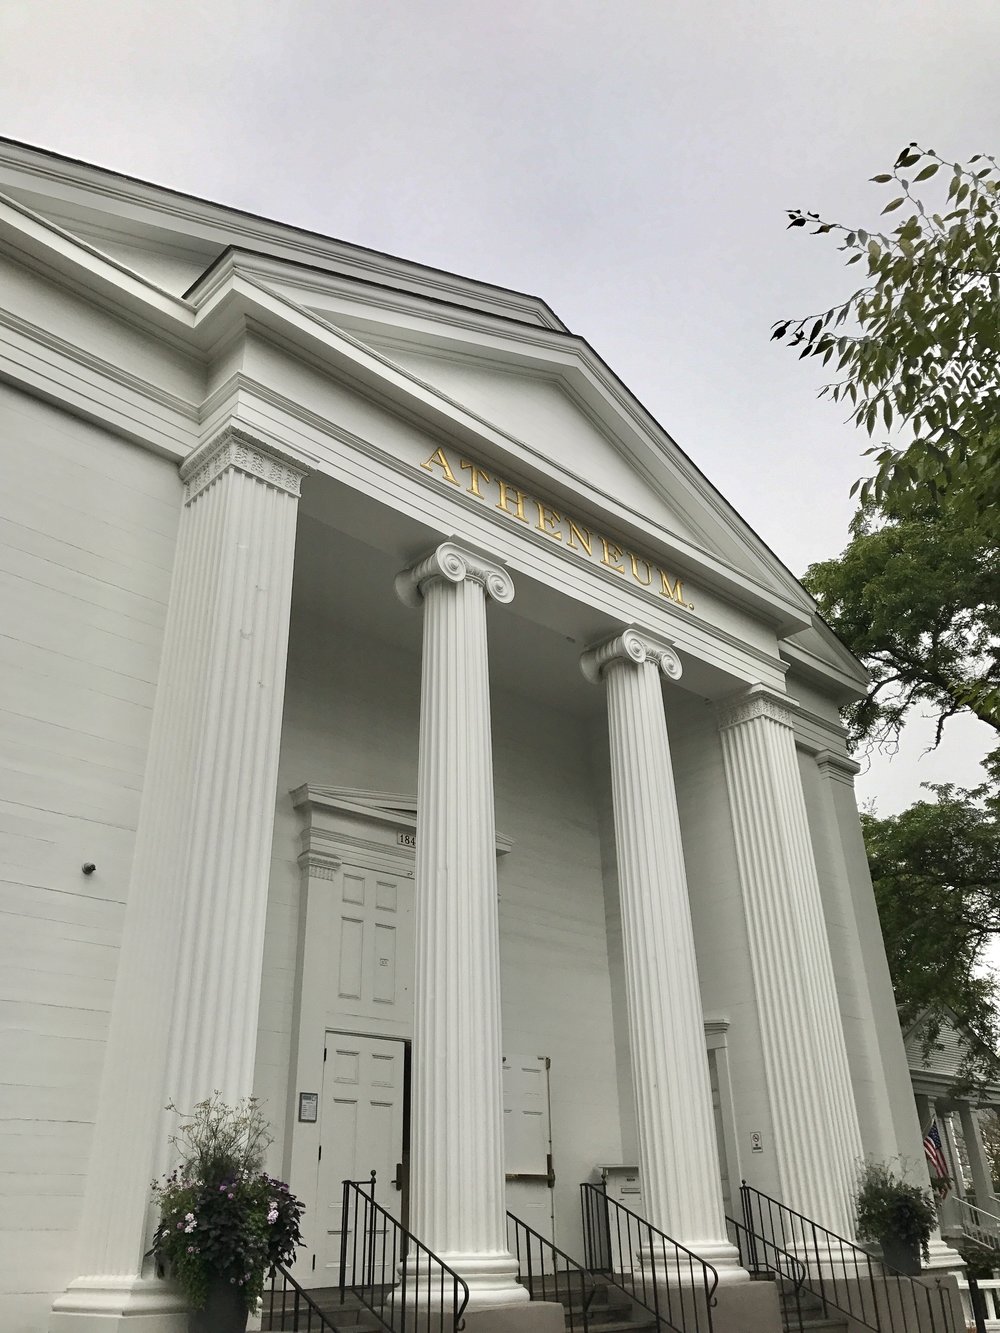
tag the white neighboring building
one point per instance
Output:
(262, 493)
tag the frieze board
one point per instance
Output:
(365, 467)
(708, 638)
(326, 862)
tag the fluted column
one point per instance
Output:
(817, 1140)
(184, 1019)
(457, 1203)
(678, 1154)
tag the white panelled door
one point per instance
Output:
(361, 1131)
(528, 1141)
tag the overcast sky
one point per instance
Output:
(628, 160)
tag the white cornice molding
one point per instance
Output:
(237, 449)
(838, 767)
(82, 185)
(26, 234)
(374, 806)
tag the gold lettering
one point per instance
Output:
(506, 491)
(675, 593)
(548, 521)
(612, 556)
(438, 457)
(636, 562)
(476, 475)
(582, 535)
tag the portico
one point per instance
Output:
(496, 821)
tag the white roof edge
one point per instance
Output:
(43, 169)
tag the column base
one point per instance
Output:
(678, 1271)
(492, 1279)
(941, 1255)
(119, 1305)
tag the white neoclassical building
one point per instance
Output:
(396, 725)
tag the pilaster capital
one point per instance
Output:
(633, 647)
(837, 767)
(237, 449)
(756, 702)
(453, 563)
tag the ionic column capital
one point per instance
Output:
(453, 563)
(630, 646)
(237, 449)
(756, 702)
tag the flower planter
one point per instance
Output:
(901, 1255)
(224, 1311)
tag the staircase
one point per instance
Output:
(322, 1312)
(605, 1309)
(802, 1312)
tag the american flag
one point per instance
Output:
(935, 1156)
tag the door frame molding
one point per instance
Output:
(717, 1045)
(341, 826)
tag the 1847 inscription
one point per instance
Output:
(575, 536)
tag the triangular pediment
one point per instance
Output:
(491, 363)
(541, 408)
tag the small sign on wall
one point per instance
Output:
(309, 1107)
(406, 839)
(756, 1141)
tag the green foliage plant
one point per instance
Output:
(936, 873)
(222, 1218)
(887, 1205)
(916, 595)
(916, 347)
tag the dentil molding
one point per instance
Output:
(233, 448)
(630, 646)
(454, 563)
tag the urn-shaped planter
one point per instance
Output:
(224, 1311)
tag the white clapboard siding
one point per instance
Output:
(87, 528)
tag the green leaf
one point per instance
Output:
(894, 203)
(882, 179)
(927, 172)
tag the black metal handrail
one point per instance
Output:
(762, 1258)
(393, 1274)
(288, 1306)
(843, 1275)
(550, 1273)
(652, 1268)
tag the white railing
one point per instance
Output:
(980, 1226)
(990, 1287)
